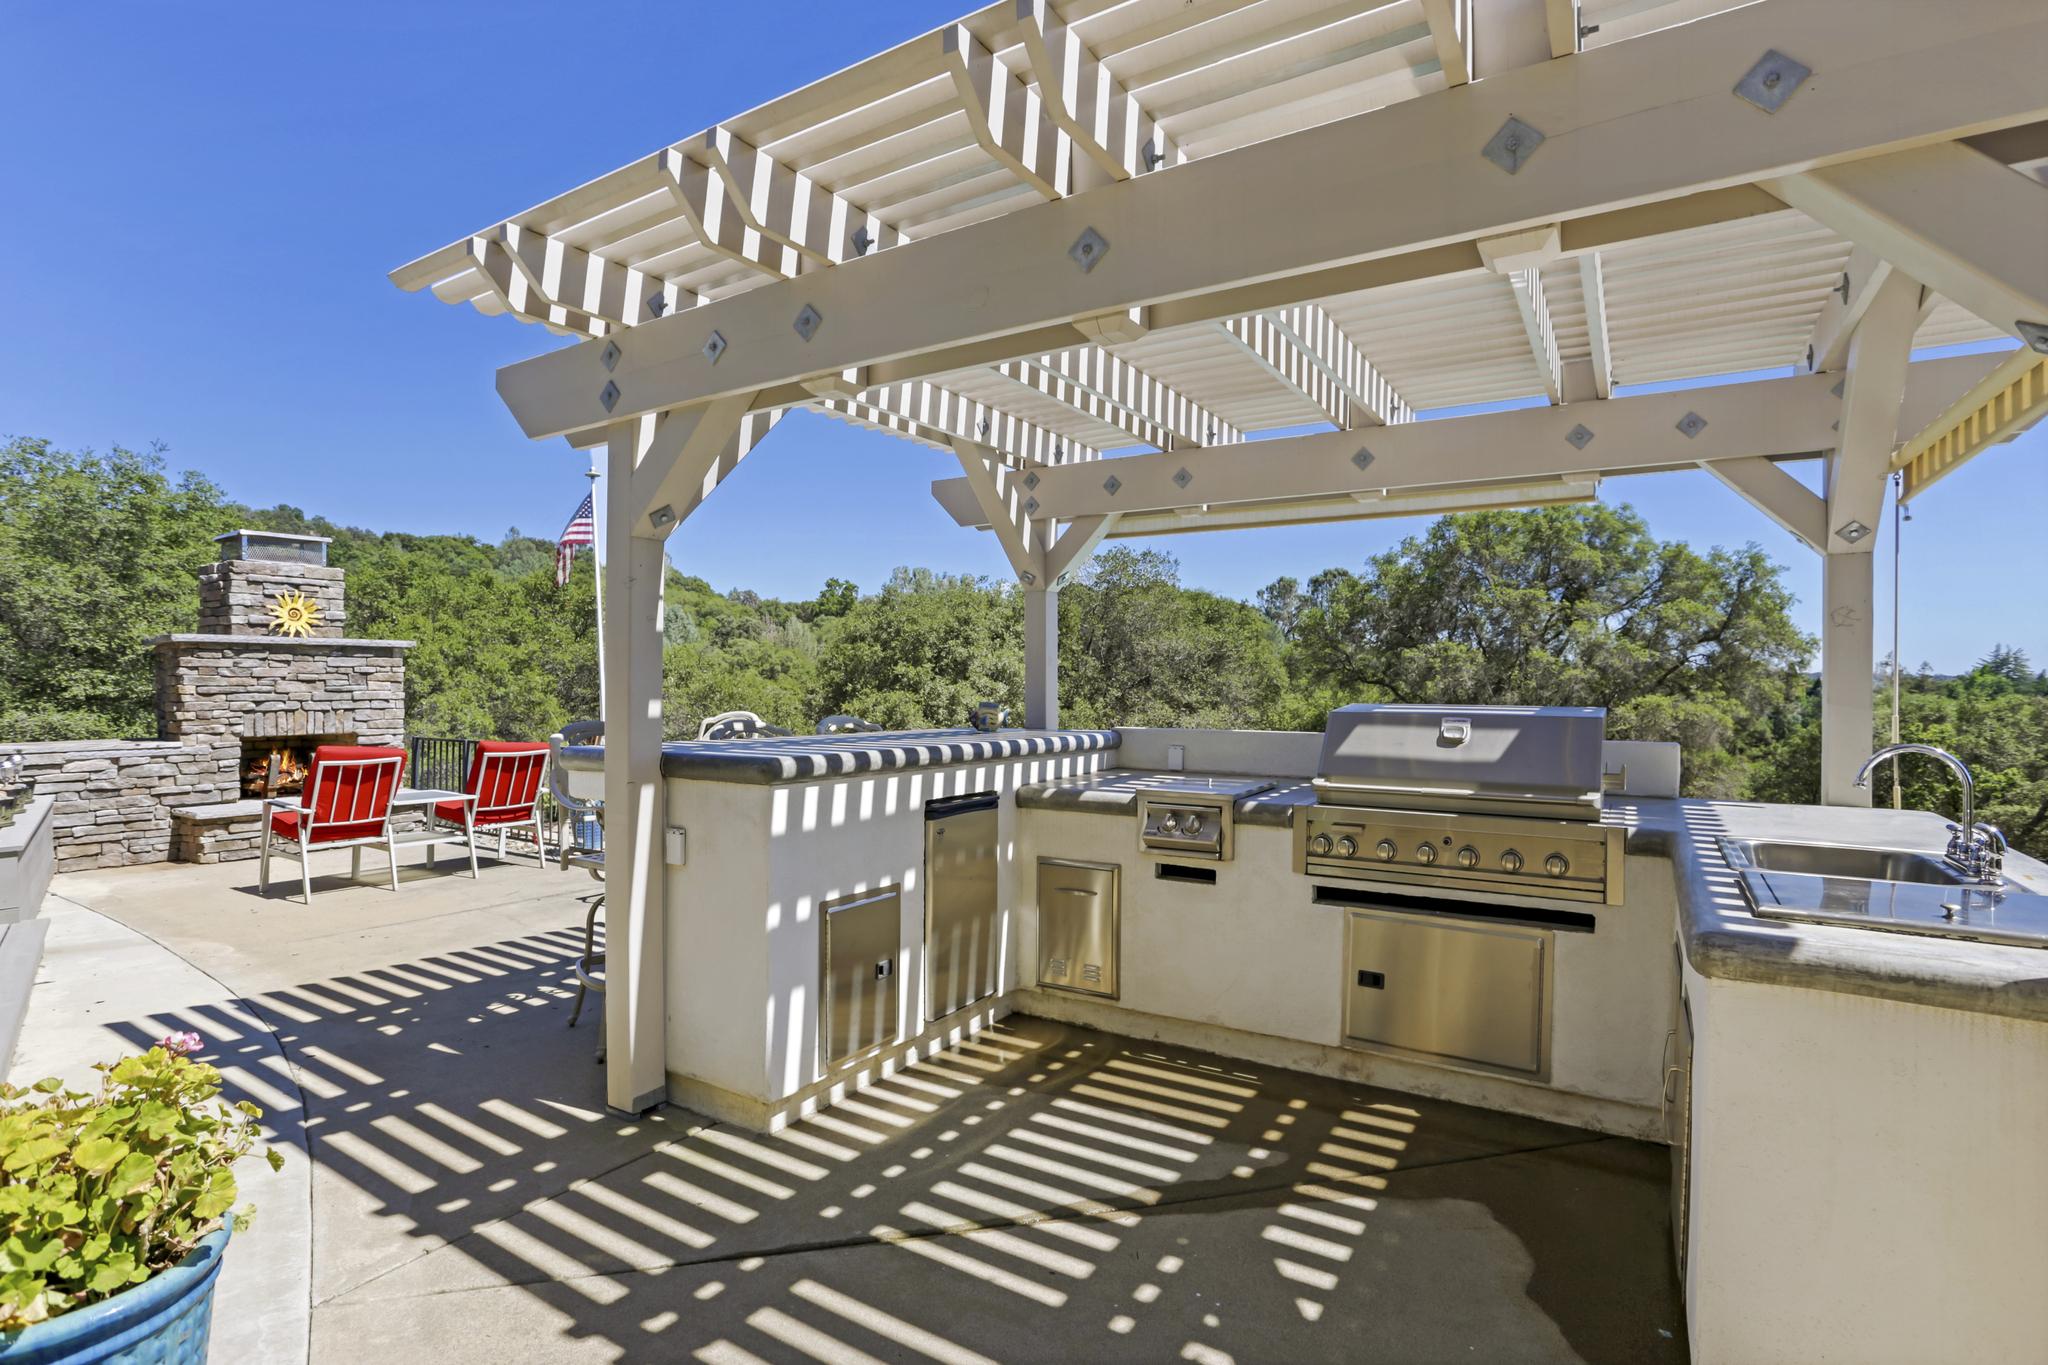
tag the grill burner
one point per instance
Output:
(1503, 798)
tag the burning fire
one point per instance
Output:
(291, 770)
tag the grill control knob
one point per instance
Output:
(1468, 856)
(1511, 861)
(1425, 853)
(1319, 845)
(1386, 850)
(1192, 825)
(1170, 822)
(1347, 847)
(1557, 865)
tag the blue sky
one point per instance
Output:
(199, 204)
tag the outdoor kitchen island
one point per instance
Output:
(842, 906)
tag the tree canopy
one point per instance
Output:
(1575, 606)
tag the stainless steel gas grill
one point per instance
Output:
(1475, 798)
(1193, 817)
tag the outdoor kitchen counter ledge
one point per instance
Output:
(1724, 941)
(804, 758)
(1115, 791)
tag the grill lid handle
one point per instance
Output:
(1452, 731)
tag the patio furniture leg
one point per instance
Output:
(355, 863)
(305, 871)
(391, 849)
(501, 843)
(263, 867)
(470, 842)
(540, 848)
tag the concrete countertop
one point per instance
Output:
(799, 758)
(1116, 792)
(1722, 939)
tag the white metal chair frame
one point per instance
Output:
(588, 968)
(368, 785)
(472, 810)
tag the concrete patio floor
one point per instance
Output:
(1038, 1193)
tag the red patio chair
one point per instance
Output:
(346, 803)
(505, 781)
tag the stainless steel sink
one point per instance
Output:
(1896, 890)
(1852, 861)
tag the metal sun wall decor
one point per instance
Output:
(293, 613)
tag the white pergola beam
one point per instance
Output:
(1829, 347)
(684, 455)
(1533, 305)
(714, 213)
(1593, 285)
(1091, 106)
(788, 207)
(1969, 227)
(1774, 418)
(1387, 183)
(999, 493)
(937, 416)
(1065, 556)
(1009, 120)
(1093, 380)
(1797, 509)
(1562, 25)
(1450, 29)
(1277, 354)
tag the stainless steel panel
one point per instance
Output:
(963, 945)
(1469, 852)
(1078, 926)
(1533, 759)
(1446, 988)
(859, 942)
(1186, 827)
(1677, 1101)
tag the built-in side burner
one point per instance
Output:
(1192, 816)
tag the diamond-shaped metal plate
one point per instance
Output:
(1181, 478)
(1031, 507)
(861, 240)
(609, 395)
(1769, 83)
(1363, 458)
(808, 322)
(1852, 531)
(1692, 424)
(1513, 145)
(610, 356)
(1031, 479)
(1840, 385)
(1580, 436)
(1089, 249)
(1111, 484)
(714, 347)
(657, 303)
(2035, 334)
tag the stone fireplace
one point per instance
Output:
(272, 672)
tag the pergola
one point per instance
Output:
(1089, 247)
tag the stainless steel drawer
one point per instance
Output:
(1078, 926)
(859, 939)
(1449, 988)
(963, 945)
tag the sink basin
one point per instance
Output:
(1851, 861)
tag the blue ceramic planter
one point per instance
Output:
(162, 1321)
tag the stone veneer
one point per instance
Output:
(178, 797)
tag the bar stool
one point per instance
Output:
(585, 818)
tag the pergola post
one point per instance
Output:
(1042, 657)
(635, 797)
(1856, 470)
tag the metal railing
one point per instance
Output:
(443, 762)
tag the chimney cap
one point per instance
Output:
(279, 547)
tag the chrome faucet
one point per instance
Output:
(1977, 851)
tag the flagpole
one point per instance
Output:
(597, 573)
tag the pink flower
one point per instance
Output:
(181, 1044)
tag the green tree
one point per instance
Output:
(1136, 648)
(97, 555)
(1565, 606)
(924, 650)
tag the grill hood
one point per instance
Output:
(1518, 760)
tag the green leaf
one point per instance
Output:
(137, 1171)
(32, 1152)
(98, 1154)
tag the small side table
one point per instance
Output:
(426, 798)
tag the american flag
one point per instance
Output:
(581, 530)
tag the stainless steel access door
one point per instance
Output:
(963, 944)
(1077, 926)
(1471, 991)
(859, 939)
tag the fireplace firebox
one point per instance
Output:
(277, 766)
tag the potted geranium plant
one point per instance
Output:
(115, 1208)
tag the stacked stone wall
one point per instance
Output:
(235, 596)
(115, 797)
